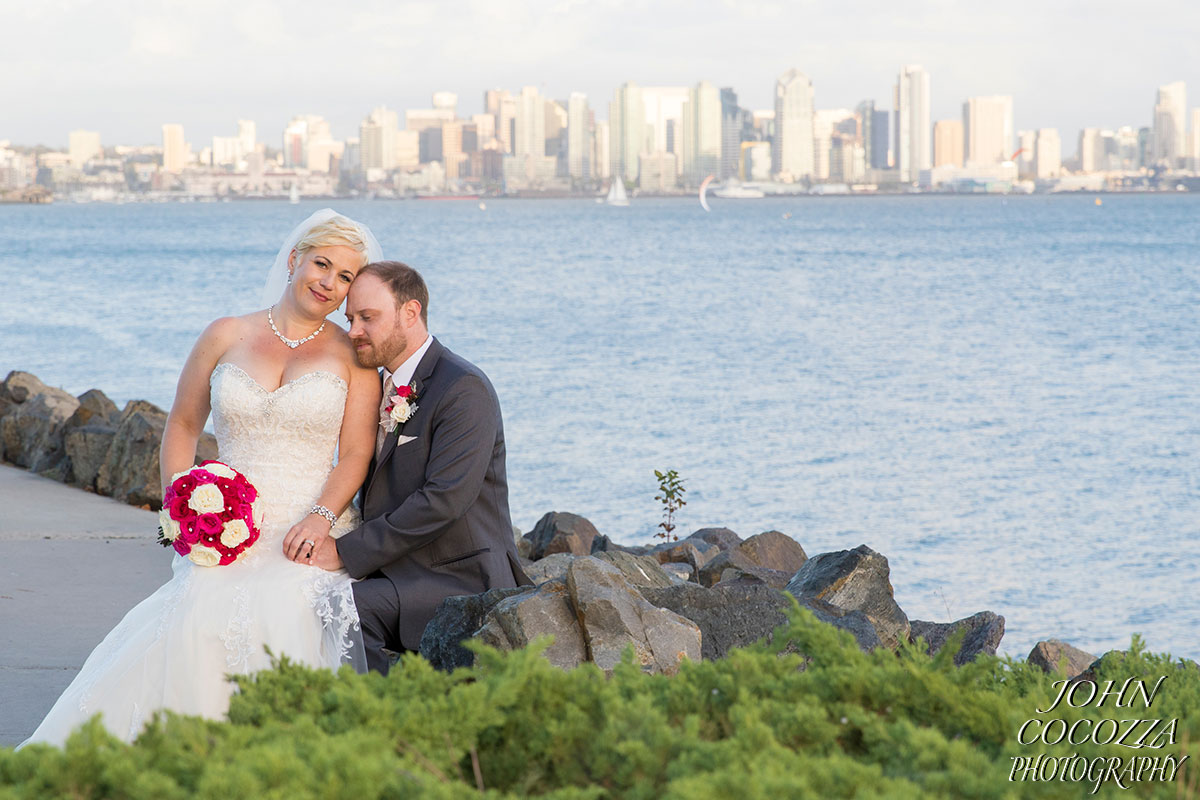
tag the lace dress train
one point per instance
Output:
(174, 649)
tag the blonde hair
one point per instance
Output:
(333, 231)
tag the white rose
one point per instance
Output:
(235, 533)
(170, 527)
(204, 556)
(220, 470)
(207, 499)
(401, 411)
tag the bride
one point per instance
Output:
(296, 415)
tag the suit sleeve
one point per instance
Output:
(463, 435)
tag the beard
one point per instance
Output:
(380, 354)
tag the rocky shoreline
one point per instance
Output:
(694, 598)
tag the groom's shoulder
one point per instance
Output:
(455, 369)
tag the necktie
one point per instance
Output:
(385, 419)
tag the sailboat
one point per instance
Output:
(616, 194)
(294, 195)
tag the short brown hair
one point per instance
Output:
(404, 281)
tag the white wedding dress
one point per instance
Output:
(174, 649)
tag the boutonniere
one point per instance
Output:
(402, 406)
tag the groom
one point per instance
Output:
(435, 503)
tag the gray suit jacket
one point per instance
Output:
(435, 508)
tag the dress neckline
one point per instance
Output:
(250, 379)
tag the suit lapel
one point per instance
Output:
(420, 377)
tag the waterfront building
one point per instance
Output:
(874, 125)
(792, 150)
(530, 124)
(601, 154)
(755, 161)
(83, 146)
(579, 144)
(247, 134)
(1047, 153)
(701, 133)
(913, 127)
(826, 122)
(485, 130)
(377, 135)
(1027, 151)
(1194, 140)
(1169, 135)
(734, 126)
(175, 150)
(1091, 150)
(948, 143)
(627, 135)
(987, 126)
(657, 171)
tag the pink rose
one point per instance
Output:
(247, 493)
(188, 533)
(204, 476)
(209, 524)
(227, 487)
(180, 510)
(181, 547)
(404, 392)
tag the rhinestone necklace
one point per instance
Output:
(292, 343)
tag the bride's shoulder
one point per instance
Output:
(228, 329)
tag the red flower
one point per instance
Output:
(227, 487)
(188, 533)
(404, 392)
(209, 524)
(180, 510)
(181, 547)
(247, 493)
(204, 476)
(184, 485)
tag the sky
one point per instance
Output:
(124, 68)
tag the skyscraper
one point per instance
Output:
(579, 145)
(1170, 110)
(875, 132)
(1048, 153)
(530, 124)
(792, 153)
(247, 134)
(175, 156)
(601, 150)
(1091, 150)
(733, 120)
(377, 139)
(83, 147)
(987, 124)
(701, 133)
(627, 133)
(1026, 163)
(827, 122)
(948, 143)
(1194, 139)
(912, 123)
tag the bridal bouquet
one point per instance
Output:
(208, 514)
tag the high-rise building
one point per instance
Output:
(792, 149)
(913, 128)
(377, 139)
(303, 131)
(175, 150)
(407, 150)
(83, 146)
(485, 129)
(1047, 153)
(987, 124)
(701, 133)
(663, 120)
(1091, 152)
(247, 134)
(601, 153)
(948, 143)
(1194, 140)
(1170, 109)
(530, 124)
(733, 126)
(1026, 152)
(875, 133)
(579, 144)
(627, 133)
(827, 122)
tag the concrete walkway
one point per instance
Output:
(71, 564)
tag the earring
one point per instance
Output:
(289, 278)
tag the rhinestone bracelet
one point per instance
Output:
(326, 513)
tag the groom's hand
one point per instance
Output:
(326, 556)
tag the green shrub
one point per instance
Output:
(764, 722)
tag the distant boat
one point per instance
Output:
(735, 190)
(616, 194)
(294, 195)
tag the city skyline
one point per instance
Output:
(1065, 68)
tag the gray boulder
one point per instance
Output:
(455, 620)
(614, 616)
(87, 449)
(679, 570)
(560, 532)
(734, 558)
(94, 407)
(31, 433)
(516, 621)
(854, 580)
(603, 544)
(696, 552)
(984, 631)
(638, 570)
(723, 538)
(130, 470)
(734, 614)
(1059, 657)
(17, 388)
(771, 577)
(856, 622)
(550, 568)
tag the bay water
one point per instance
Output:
(998, 394)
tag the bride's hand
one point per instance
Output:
(305, 538)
